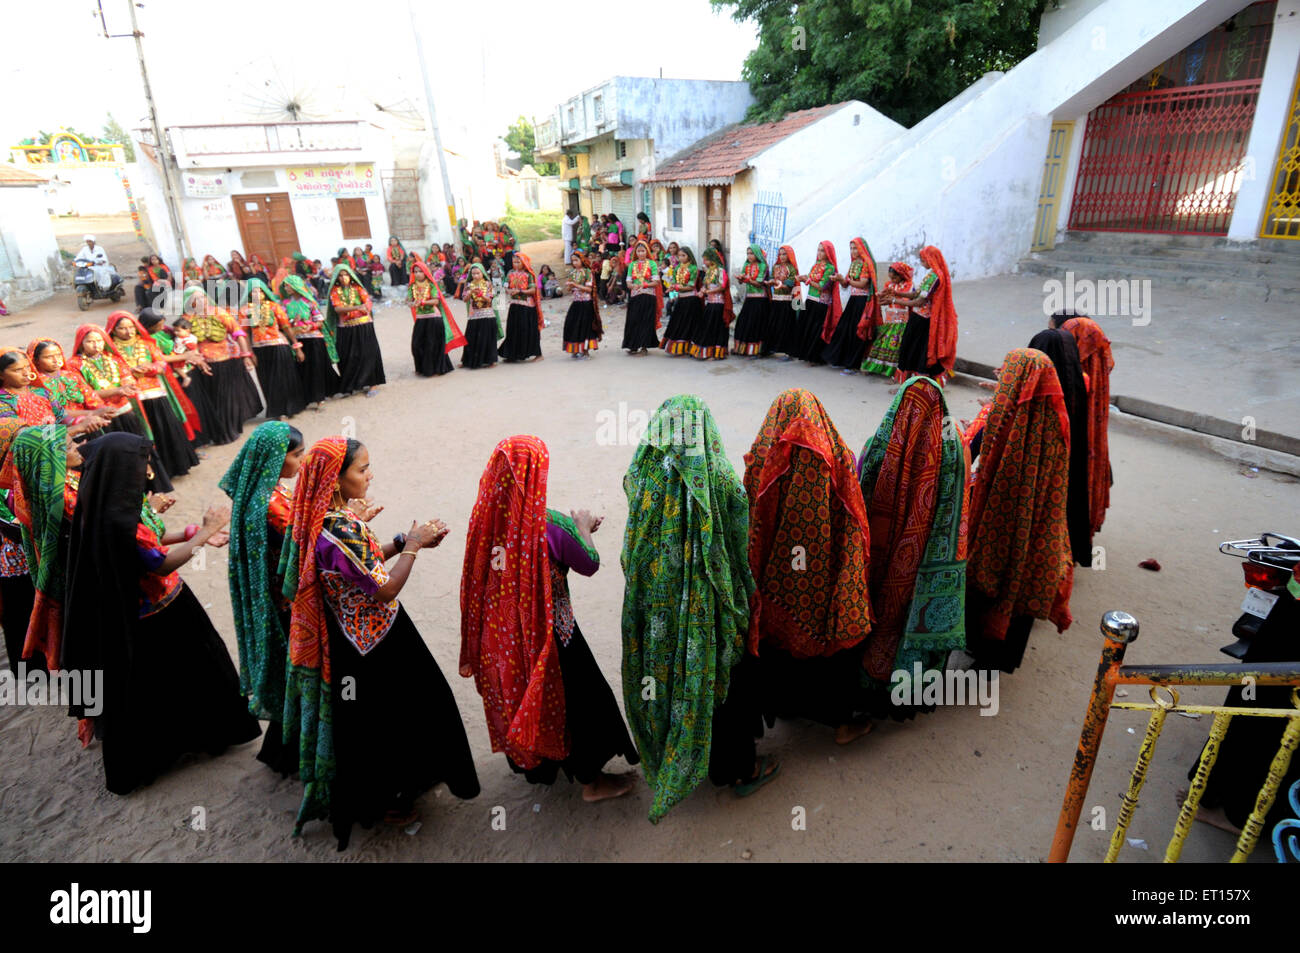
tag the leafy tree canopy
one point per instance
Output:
(519, 137)
(905, 58)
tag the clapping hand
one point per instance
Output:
(364, 510)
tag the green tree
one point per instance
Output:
(519, 137)
(113, 132)
(905, 58)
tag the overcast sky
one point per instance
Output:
(227, 60)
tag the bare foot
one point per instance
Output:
(1213, 816)
(847, 734)
(607, 786)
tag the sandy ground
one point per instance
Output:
(953, 786)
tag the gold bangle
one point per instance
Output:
(408, 552)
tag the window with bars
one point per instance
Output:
(620, 149)
(353, 218)
(571, 162)
(675, 207)
(598, 108)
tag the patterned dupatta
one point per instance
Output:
(1095, 356)
(756, 272)
(331, 310)
(836, 307)
(451, 331)
(294, 286)
(792, 263)
(506, 608)
(307, 704)
(594, 290)
(190, 270)
(686, 600)
(177, 399)
(728, 311)
(37, 470)
(941, 348)
(249, 482)
(69, 389)
(871, 315)
(1019, 544)
(282, 274)
(808, 534)
(81, 364)
(913, 476)
(532, 284)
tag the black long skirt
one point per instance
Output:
(17, 596)
(1006, 654)
(523, 338)
(750, 325)
(429, 347)
(397, 274)
(846, 349)
(1077, 516)
(687, 313)
(780, 336)
(737, 724)
(275, 753)
(826, 690)
(808, 344)
(280, 382)
(639, 325)
(913, 349)
(398, 733)
(169, 439)
(580, 328)
(180, 694)
(711, 335)
(480, 343)
(316, 372)
(361, 366)
(224, 396)
(130, 422)
(595, 725)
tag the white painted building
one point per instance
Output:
(759, 182)
(30, 264)
(609, 139)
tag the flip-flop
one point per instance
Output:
(749, 787)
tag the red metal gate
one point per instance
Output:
(1169, 160)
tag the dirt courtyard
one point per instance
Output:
(951, 786)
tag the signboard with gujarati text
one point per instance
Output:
(339, 181)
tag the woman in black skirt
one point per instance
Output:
(524, 321)
(712, 331)
(169, 686)
(482, 327)
(224, 390)
(362, 683)
(1058, 344)
(684, 279)
(316, 369)
(348, 313)
(781, 336)
(17, 594)
(548, 706)
(275, 350)
(155, 392)
(752, 320)
(397, 264)
(929, 343)
(431, 322)
(645, 304)
(822, 308)
(848, 341)
(582, 327)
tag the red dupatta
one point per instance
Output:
(793, 265)
(507, 616)
(532, 285)
(942, 345)
(809, 538)
(728, 312)
(595, 292)
(658, 287)
(1019, 544)
(836, 307)
(1095, 356)
(74, 363)
(457, 337)
(309, 640)
(871, 314)
(189, 413)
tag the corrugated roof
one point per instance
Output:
(13, 175)
(716, 159)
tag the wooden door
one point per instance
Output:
(266, 225)
(719, 214)
(1049, 193)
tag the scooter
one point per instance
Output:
(1268, 561)
(88, 289)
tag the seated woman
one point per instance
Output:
(169, 686)
(548, 706)
(368, 752)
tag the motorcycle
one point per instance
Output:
(88, 289)
(1268, 561)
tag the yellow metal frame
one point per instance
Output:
(1282, 214)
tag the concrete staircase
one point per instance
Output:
(1264, 270)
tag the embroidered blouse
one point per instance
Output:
(304, 316)
(137, 354)
(421, 295)
(786, 281)
(350, 561)
(641, 275)
(819, 281)
(212, 331)
(156, 590)
(266, 325)
(567, 551)
(351, 305)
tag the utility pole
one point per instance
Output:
(164, 154)
(433, 124)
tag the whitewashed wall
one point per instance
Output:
(29, 243)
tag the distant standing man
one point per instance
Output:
(568, 230)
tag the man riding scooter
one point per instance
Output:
(96, 278)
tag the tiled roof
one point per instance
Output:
(13, 175)
(716, 159)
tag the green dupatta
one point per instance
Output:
(299, 287)
(936, 621)
(41, 457)
(686, 602)
(260, 285)
(262, 641)
(331, 316)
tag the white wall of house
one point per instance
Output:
(93, 190)
(967, 180)
(694, 221)
(30, 262)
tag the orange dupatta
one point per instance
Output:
(942, 344)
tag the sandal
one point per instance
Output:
(761, 778)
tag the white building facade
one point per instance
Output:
(30, 264)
